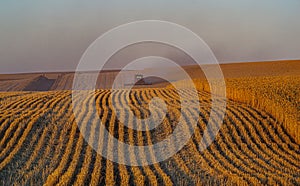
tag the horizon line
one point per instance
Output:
(117, 69)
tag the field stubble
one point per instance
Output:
(41, 144)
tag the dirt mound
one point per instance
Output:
(40, 83)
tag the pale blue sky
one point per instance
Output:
(52, 35)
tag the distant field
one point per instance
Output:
(64, 80)
(258, 143)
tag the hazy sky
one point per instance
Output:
(52, 35)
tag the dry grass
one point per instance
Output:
(41, 144)
(258, 143)
(278, 95)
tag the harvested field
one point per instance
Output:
(41, 144)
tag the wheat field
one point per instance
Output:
(277, 95)
(41, 144)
